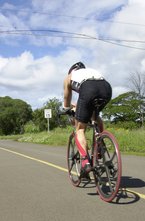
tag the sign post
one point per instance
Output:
(48, 114)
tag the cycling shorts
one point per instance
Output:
(89, 91)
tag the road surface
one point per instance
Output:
(34, 186)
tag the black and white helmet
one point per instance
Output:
(76, 66)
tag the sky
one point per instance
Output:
(41, 39)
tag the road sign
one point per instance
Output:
(47, 113)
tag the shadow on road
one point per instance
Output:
(128, 196)
(125, 195)
(130, 182)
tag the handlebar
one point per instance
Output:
(68, 112)
(71, 114)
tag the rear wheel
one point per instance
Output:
(107, 164)
(73, 161)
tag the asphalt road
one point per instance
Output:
(34, 186)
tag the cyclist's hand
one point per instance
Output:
(69, 111)
(73, 107)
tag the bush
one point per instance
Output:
(30, 127)
(14, 113)
(125, 125)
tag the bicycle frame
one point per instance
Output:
(106, 167)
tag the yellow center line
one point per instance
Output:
(134, 192)
(35, 159)
(59, 168)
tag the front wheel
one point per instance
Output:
(107, 165)
(73, 161)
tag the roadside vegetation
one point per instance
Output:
(130, 141)
(124, 116)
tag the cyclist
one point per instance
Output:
(91, 86)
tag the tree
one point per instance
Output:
(55, 105)
(137, 84)
(38, 115)
(123, 109)
(14, 113)
(39, 120)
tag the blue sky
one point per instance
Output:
(33, 64)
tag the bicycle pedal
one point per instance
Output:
(85, 177)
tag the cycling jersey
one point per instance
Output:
(81, 75)
(89, 92)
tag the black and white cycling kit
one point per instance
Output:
(90, 85)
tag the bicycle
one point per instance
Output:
(104, 157)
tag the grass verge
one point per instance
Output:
(130, 142)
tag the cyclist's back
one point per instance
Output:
(81, 75)
(91, 85)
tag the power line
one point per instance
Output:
(43, 35)
(24, 31)
(71, 16)
(32, 32)
(38, 33)
(122, 45)
(66, 34)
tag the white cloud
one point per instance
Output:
(116, 91)
(36, 71)
(25, 71)
(29, 76)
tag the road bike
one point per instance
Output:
(104, 157)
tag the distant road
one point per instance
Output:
(34, 186)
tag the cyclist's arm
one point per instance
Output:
(67, 92)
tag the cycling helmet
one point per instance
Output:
(76, 66)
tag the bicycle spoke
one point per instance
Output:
(71, 166)
(73, 162)
(108, 167)
(109, 180)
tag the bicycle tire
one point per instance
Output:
(108, 166)
(73, 161)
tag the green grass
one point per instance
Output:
(131, 142)
(56, 137)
